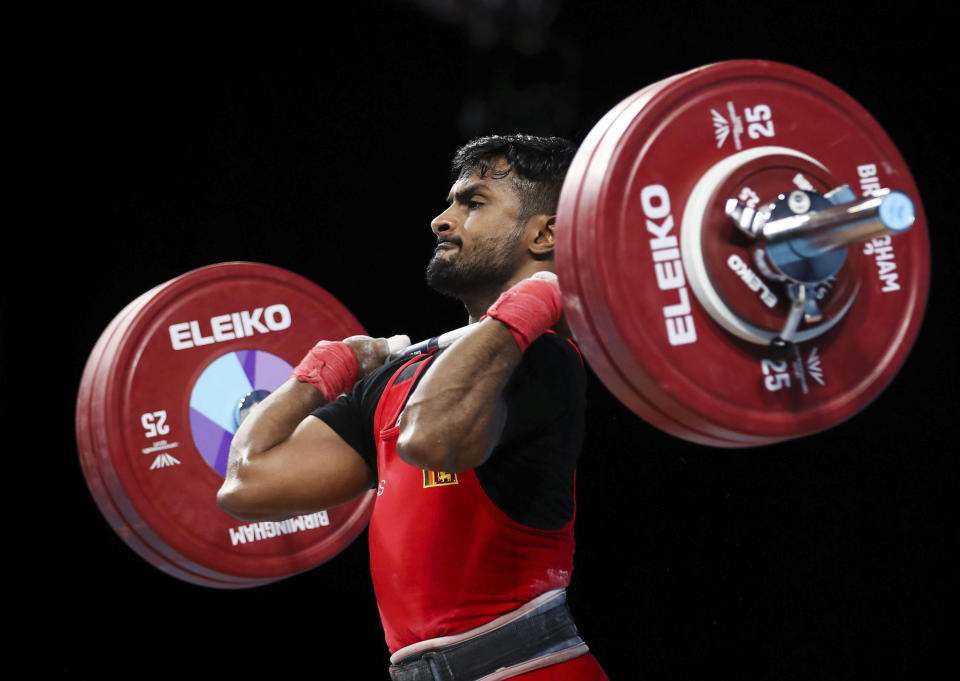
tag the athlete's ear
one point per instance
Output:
(541, 231)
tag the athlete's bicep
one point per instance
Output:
(311, 470)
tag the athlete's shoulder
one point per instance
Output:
(551, 366)
(553, 345)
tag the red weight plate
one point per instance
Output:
(660, 178)
(568, 268)
(91, 471)
(630, 385)
(159, 553)
(167, 400)
(572, 265)
(168, 556)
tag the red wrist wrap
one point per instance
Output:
(330, 366)
(528, 308)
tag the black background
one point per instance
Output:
(320, 143)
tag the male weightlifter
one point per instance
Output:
(472, 449)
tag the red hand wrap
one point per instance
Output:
(331, 367)
(528, 308)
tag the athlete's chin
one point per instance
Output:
(443, 276)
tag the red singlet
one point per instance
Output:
(443, 557)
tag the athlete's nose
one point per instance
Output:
(443, 223)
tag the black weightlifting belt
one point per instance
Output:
(544, 631)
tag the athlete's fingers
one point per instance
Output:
(371, 352)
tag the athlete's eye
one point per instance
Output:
(474, 204)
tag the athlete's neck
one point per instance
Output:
(478, 302)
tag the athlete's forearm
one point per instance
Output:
(455, 416)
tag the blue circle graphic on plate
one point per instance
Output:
(218, 390)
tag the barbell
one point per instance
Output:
(743, 257)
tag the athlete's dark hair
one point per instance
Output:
(538, 164)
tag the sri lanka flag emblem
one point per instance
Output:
(438, 478)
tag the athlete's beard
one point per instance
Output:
(489, 265)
